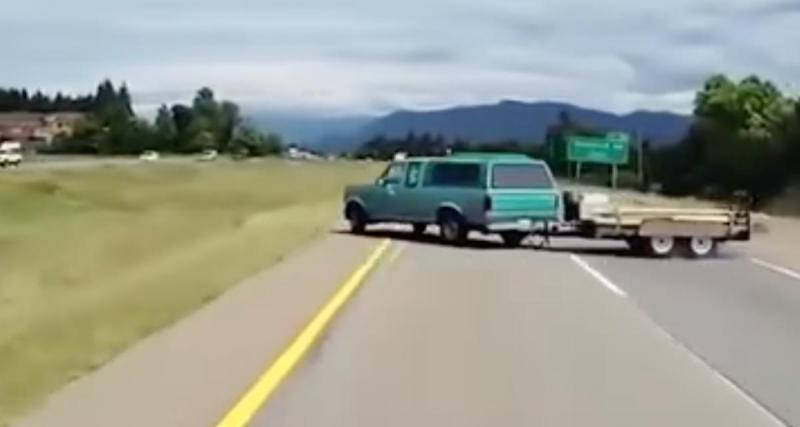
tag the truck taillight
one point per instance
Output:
(487, 204)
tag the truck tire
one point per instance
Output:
(512, 239)
(452, 228)
(357, 217)
(661, 246)
(701, 247)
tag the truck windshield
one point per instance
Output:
(521, 176)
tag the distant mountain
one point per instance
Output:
(521, 121)
(311, 131)
(525, 122)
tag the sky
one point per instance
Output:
(352, 57)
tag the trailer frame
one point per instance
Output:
(655, 231)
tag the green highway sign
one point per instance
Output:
(611, 149)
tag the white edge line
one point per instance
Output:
(719, 375)
(776, 268)
(597, 275)
(694, 356)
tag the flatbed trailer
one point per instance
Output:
(657, 231)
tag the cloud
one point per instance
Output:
(367, 56)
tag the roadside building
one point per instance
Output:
(35, 130)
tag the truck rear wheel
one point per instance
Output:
(661, 246)
(512, 239)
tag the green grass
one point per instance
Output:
(94, 259)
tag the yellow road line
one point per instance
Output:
(398, 250)
(254, 398)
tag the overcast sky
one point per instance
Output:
(367, 56)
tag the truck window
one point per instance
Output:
(521, 176)
(413, 174)
(394, 173)
(455, 175)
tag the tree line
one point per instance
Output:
(111, 127)
(12, 99)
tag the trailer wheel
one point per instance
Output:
(701, 247)
(661, 246)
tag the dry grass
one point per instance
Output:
(94, 259)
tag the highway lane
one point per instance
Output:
(740, 317)
(485, 336)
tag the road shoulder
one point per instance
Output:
(191, 373)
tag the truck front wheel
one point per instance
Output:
(357, 218)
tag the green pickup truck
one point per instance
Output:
(507, 194)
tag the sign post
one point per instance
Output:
(612, 149)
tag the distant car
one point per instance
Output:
(10, 154)
(149, 156)
(208, 156)
(507, 194)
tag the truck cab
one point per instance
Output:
(10, 154)
(507, 194)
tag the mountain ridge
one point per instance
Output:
(526, 122)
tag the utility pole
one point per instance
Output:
(614, 176)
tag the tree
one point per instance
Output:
(740, 140)
(165, 129)
(231, 119)
(124, 100)
(182, 116)
(250, 142)
(219, 119)
(754, 108)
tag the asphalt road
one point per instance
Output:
(579, 335)
(570, 337)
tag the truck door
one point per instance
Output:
(384, 203)
(409, 197)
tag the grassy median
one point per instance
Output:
(94, 259)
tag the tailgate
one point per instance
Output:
(523, 190)
(513, 204)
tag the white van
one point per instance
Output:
(10, 154)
